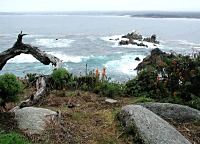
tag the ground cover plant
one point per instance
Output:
(174, 80)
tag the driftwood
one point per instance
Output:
(33, 99)
(19, 47)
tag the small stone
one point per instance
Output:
(111, 100)
(137, 59)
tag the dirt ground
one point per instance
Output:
(88, 118)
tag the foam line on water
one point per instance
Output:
(28, 58)
(126, 64)
(54, 43)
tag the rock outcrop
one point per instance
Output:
(35, 120)
(138, 39)
(157, 56)
(151, 128)
(174, 112)
(134, 35)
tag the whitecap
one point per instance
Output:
(23, 58)
(68, 58)
(28, 58)
(125, 65)
(184, 42)
(54, 43)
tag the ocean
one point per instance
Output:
(85, 39)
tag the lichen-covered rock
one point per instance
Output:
(175, 112)
(151, 128)
(35, 120)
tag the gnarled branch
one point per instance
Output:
(20, 47)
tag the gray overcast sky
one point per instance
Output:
(92, 5)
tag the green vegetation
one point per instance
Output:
(11, 138)
(109, 89)
(31, 79)
(143, 99)
(176, 81)
(10, 87)
(61, 78)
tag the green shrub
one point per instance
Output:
(143, 99)
(109, 89)
(61, 78)
(116, 113)
(85, 82)
(174, 80)
(31, 79)
(143, 84)
(10, 87)
(11, 138)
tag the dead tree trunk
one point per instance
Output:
(33, 99)
(20, 47)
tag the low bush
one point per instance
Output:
(61, 78)
(143, 99)
(11, 138)
(85, 82)
(176, 80)
(10, 87)
(109, 89)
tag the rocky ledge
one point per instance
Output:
(156, 57)
(135, 38)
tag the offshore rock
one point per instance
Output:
(138, 39)
(151, 128)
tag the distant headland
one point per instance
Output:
(145, 14)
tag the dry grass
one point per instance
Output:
(87, 118)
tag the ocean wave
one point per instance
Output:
(185, 42)
(68, 58)
(28, 58)
(125, 65)
(23, 58)
(54, 43)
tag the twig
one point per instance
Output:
(120, 135)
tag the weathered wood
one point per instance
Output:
(33, 99)
(20, 47)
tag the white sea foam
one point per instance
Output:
(28, 58)
(125, 65)
(23, 58)
(53, 43)
(68, 58)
